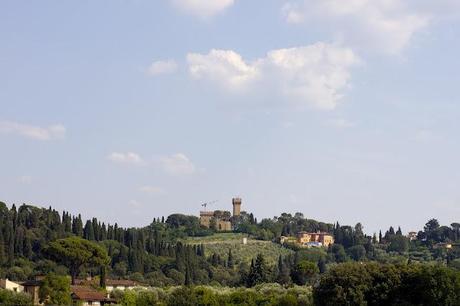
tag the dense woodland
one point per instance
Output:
(30, 238)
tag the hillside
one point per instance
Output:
(220, 243)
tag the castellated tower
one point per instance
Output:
(236, 206)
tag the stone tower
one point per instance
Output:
(236, 206)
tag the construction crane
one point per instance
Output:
(208, 203)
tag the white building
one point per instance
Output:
(121, 284)
(12, 286)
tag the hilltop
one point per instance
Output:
(221, 243)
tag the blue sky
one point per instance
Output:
(128, 110)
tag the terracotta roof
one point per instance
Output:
(313, 233)
(87, 294)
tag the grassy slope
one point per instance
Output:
(222, 242)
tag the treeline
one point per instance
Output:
(25, 232)
(387, 284)
(154, 255)
(344, 284)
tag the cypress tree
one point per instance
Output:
(103, 277)
(88, 231)
(2, 247)
(230, 262)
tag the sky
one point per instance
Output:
(128, 110)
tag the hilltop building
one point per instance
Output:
(318, 239)
(219, 219)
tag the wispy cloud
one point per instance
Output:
(162, 67)
(51, 132)
(383, 25)
(314, 75)
(203, 8)
(177, 164)
(125, 158)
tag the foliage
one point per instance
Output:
(221, 243)
(55, 290)
(387, 284)
(10, 298)
(304, 272)
(264, 294)
(76, 252)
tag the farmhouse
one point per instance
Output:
(317, 239)
(84, 296)
(121, 284)
(32, 288)
(12, 286)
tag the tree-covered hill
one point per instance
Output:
(177, 250)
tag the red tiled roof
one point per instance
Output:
(87, 294)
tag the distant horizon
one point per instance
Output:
(112, 222)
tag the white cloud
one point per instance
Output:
(223, 66)
(313, 75)
(177, 164)
(384, 25)
(203, 8)
(154, 190)
(162, 67)
(52, 132)
(125, 158)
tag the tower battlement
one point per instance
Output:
(236, 206)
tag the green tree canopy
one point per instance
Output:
(55, 290)
(75, 253)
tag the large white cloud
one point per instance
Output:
(224, 66)
(383, 25)
(310, 75)
(203, 8)
(57, 131)
(177, 164)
